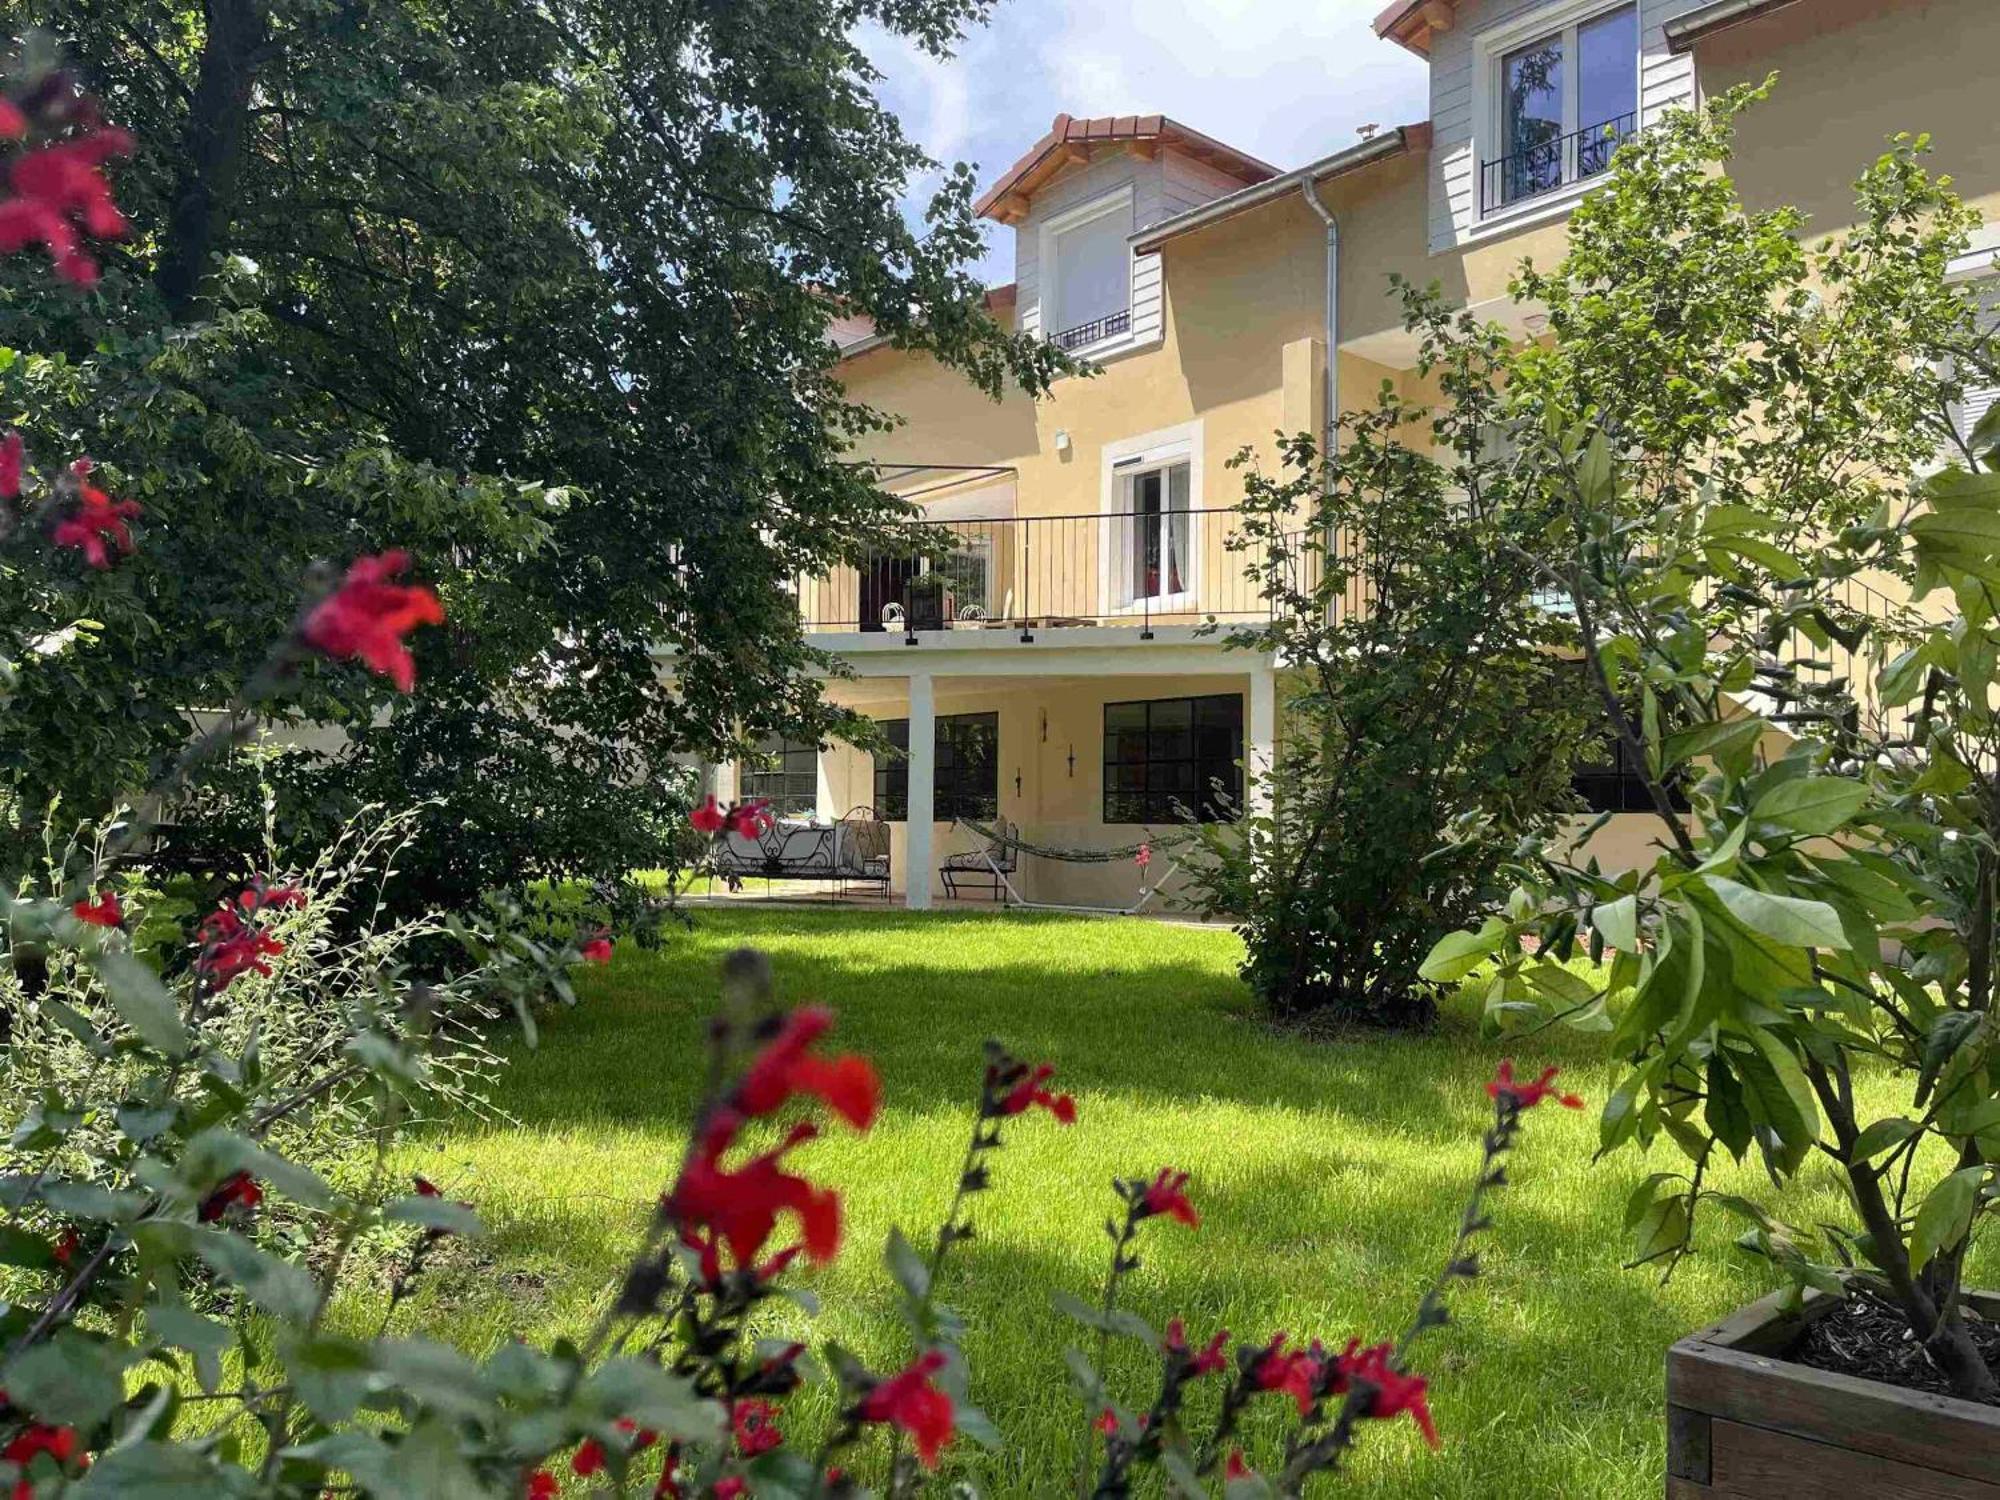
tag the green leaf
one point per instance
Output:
(204, 1338)
(1619, 922)
(1457, 954)
(1948, 1032)
(1945, 1216)
(1797, 1119)
(1560, 985)
(1728, 742)
(1811, 804)
(1783, 919)
(285, 1291)
(70, 1381)
(159, 1471)
(907, 1267)
(1882, 1136)
(141, 1001)
(1662, 1229)
(216, 1153)
(1725, 1111)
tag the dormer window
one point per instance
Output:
(1563, 101)
(1087, 272)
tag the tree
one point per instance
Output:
(1729, 424)
(541, 293)
(1431, 722)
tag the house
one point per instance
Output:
(1049, 669)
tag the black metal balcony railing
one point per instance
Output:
(1095, 329)
(1550, 164)
(1026, 572)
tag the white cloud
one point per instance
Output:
(1285, 80)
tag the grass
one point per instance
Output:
(1329, 1176)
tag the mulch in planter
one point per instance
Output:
(1867, 1337)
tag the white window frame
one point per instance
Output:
(1976, 271)
(1049, 267)
(1122, 461)
(1490, 49)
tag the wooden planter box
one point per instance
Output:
(1741, 1422)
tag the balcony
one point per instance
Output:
(1117, 571)
(1551, 164)
(1085, 334)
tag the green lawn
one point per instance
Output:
(1329, 1176)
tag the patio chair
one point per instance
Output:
(864, 850)
(984, 868)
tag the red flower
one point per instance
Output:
(1296, 1372)
(751, 819)
(13, 124)
(104, 912)
(730, 1488)
(709, 818)
(1210, 1361)
(58, 1442)
(1164, 1196)
(597, 950)
(669, 1486)
(426, 1188)
(12, 452)
(1236, 1468)
(368, 616)
(740, 1209)
(229, 948)
(241, 1188)
(258, 896)
(642, 1437)
(58, 189)
(787, 1066)
(589, 1458)
(1144, 857)
(542, 1485)
(1394, 1391)
(66, 1246)
(915, 1404)
(1528, 1095)
(97, 519)
(753, 1422)
(1029, 1091)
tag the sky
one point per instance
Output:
(1285, 80)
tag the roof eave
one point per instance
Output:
(1686, 32)
(1390, 143)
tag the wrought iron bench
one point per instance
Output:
(983, 868)
(852, 851)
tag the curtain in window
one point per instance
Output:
(1177, 529)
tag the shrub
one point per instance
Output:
(1729, 471)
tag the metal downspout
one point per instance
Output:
(1330, 417)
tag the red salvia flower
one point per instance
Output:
(1029, 1092)
(426, 1188)
(1394, 1391)
(257, 896)
(1165, 1196)
(589, 1458)
(669, 1487)
(1211, 1360)
(731, 1488)
(97, 519)
(230, 948)
(367, 617)
(786, 1066)
(241, 1188)
(542, 1485)
(104, 912)
(66, 1246)
(751, 819)
(13, 124)
(914, 1403)
(755, 1425)
(38, 1438)
(1528, 1095)
(740, 1209)
(1236, 1468)
(709, 818)
(642, 1437)
(597, 950)
(1296, 1372)
(55, 191)
(12, 455)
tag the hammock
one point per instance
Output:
(996, 839)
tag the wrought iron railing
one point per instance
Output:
(1095, 329)
(1550, 164)
(1039, 572)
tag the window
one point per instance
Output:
(1087, 273)
(1565, 102)
(1609, 779)
(965, 782)
(1154, 551)
(784, 773)
(1167, 757)
(1977, 395)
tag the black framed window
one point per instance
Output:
(965, 779)
(1609, 778)
(784, 773)
(1165, 757)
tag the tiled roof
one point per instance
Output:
(1068, 136)
(1412, 23)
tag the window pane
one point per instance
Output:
(1607, 86)
(1162, 774)
(1531, 129)
(1093, 275)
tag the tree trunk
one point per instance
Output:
(211, 149)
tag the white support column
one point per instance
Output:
(1261, 740)
(921, 813)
